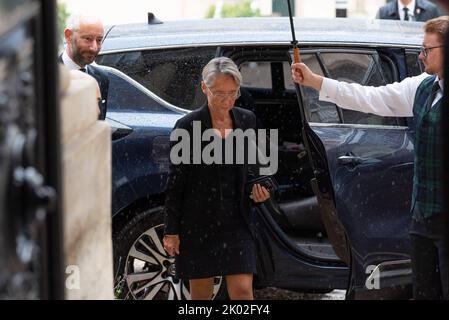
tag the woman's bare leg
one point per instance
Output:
(201, 289)
(240, 287)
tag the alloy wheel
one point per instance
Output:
(150, 273)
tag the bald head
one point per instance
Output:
(84, 35)
(76, 20)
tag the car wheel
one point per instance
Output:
(143, 270)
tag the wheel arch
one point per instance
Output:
(122, 217)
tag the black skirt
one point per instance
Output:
(222, 243)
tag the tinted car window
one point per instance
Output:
(317, 111)
(288, 80)
(389, 69)
(122, 95)
(172, 74)
(256, 75)
(414, 65)
(348, 67)
(362, 68)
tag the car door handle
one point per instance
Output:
(350, 160)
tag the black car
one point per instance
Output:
(340, 216)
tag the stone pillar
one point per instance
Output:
(86, 167)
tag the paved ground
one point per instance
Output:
(278, 294)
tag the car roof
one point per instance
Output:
(262, 30)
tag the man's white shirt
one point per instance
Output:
(411, 10)
(68, 62)
(393, 100)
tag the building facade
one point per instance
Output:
(136, 10)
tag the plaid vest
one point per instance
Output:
(427, 180)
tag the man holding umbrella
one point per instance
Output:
(420, 97)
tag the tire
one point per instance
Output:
(142, 268)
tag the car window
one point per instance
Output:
(122, 95)
(350, 67)
(172, 74)
(414, 65)
(389, 70)
(256, 74)
(317, 111)
(311, 63)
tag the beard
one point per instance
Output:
(82, 57)
(429, 70)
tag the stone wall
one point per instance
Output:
(86, 147)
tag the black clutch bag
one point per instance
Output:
(265, 181)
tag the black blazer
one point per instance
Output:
(193, 190)
(424, 10)
(103, 81)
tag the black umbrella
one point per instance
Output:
(296, 56)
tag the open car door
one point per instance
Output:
(363, 167)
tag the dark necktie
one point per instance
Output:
(406, 17)
(435, 89)
(82, 70)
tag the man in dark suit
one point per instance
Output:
(84, 37)
(409, 10)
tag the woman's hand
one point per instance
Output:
(171, 244)
(259, 194)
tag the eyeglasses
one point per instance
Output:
(223, 95)
(425, 51)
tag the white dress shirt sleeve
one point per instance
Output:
(392, 100)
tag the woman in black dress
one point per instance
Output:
(207, 225)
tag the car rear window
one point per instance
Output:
(122, 95)
(172, 74)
